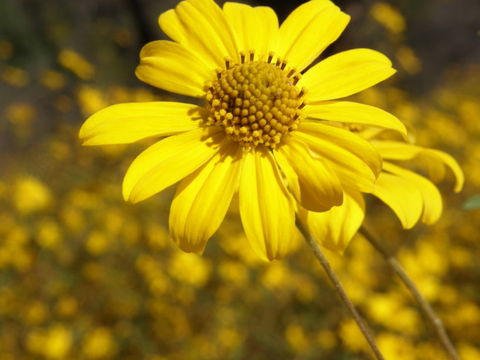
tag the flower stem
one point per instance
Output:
(340, 290)
(425, 306)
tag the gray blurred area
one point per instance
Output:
(441, 32)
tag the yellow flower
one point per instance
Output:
(411, 196)
(267, 129)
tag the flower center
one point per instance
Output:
(256, 103)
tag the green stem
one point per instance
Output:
(425, 306)
(340, 290)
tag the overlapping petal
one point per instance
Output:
(435, 160)
(202, 200)
(354, 113)
(318, 186)
(354, 160)
(168, 161)
(170, 66)
(432, 200)
(254, 28)
(308, 30)
(344, 74)
(266, 209)
(335, 228)
(130, 122)
(402, 196)
(200, 26)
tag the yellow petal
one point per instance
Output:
(436, 160)
(401, 196)
(308, 30)
(344, 74)
(127, 123)
(354, 113)
(352, 172)
(354, 160)
(319, 186)
(200, 26)
(170, 66)
(290, 177)
(335, 228)
(432, 200)
(168, 161)
(254, 28)
(202, 200)
(266, 210)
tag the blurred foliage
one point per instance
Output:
(473, 203)
(84, 275)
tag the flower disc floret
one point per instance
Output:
(256, 103)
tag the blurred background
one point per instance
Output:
(84, 275)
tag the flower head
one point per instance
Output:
(269, 131)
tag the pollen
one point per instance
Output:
(256, 102)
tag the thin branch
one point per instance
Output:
(425, 306)
(341, 291)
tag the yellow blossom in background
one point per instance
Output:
(52, 343)
(277, 276)
(48, 234)
(181, 266)
(58, 341)
(90, 99)
(388, 16)
(233, 272)
(30, 195)
(14, 76)
(66, 306)
(296, 338)
(469, 352)
(53, 80)
(98, 344)
(97, 243)
(36, 313)
(74, 62)
(351, 336)
(326, 339)
(395, 347)
(21, 115)
(409, 60)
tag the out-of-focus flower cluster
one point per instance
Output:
(84, 275)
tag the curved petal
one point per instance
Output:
(202, 200)
(168, 161)
(319, 186)
(200, 26)
(344, 74)
(355, 161)
(170, 66)
(432, 200)
(290, 177)
(436, 160)
(335, 228)
(354, 113)
(130, 122)
(308, 30)
(254, 28)
(352, 171)
(401, 196)
(266, 210)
